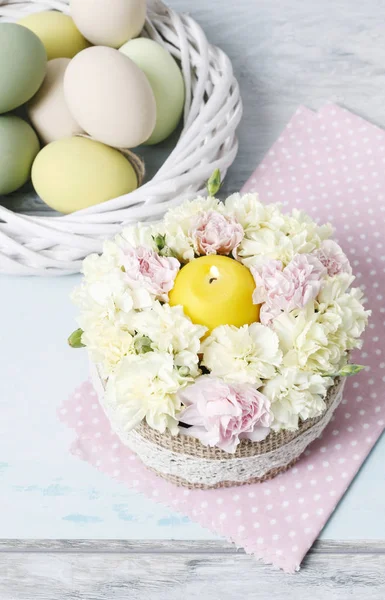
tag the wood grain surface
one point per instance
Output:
(171, 571)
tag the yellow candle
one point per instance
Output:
(216, 290)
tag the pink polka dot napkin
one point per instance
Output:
(330, 164)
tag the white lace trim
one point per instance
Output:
(212, 471)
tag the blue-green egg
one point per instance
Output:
(23, 61)
(19, 146)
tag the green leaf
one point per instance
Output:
(346, 371)
(160, 241)
(350, 370)
(75, 339)
(214, 183)
(143, 345)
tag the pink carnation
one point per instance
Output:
(146, 268)
(222, 414)
(214, 233)
(289, 288)
(331, 255)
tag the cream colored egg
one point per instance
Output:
(109, 22)
(58, 33)
(110, 97)
(76, 173)
(48, 110)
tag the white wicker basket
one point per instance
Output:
(56, 245)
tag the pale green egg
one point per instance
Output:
(166, 81)
(23, 63)
(19, 146)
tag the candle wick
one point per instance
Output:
(214, 274)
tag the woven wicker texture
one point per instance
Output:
(41, 245)
(188, 445)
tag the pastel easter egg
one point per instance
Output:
(109, 22)
(75, 173)
(110, 97)
(48, 110)
(23, 63)
(57, 31)
(18, 147)
(166, 82)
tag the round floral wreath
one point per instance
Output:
(236, 382)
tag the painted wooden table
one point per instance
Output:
(116, 543)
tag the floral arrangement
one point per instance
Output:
(257, 357)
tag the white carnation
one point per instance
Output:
(141, 234)
(296, 395)
(106, 304)
(107, 342)
(276, 236)
(264, 244)
(306, 234)
(144, 387)
(307, 341)
(170, 330)
(335, 301)
(253, 214)
(246, 355)
(177, 223)
(318, 337)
